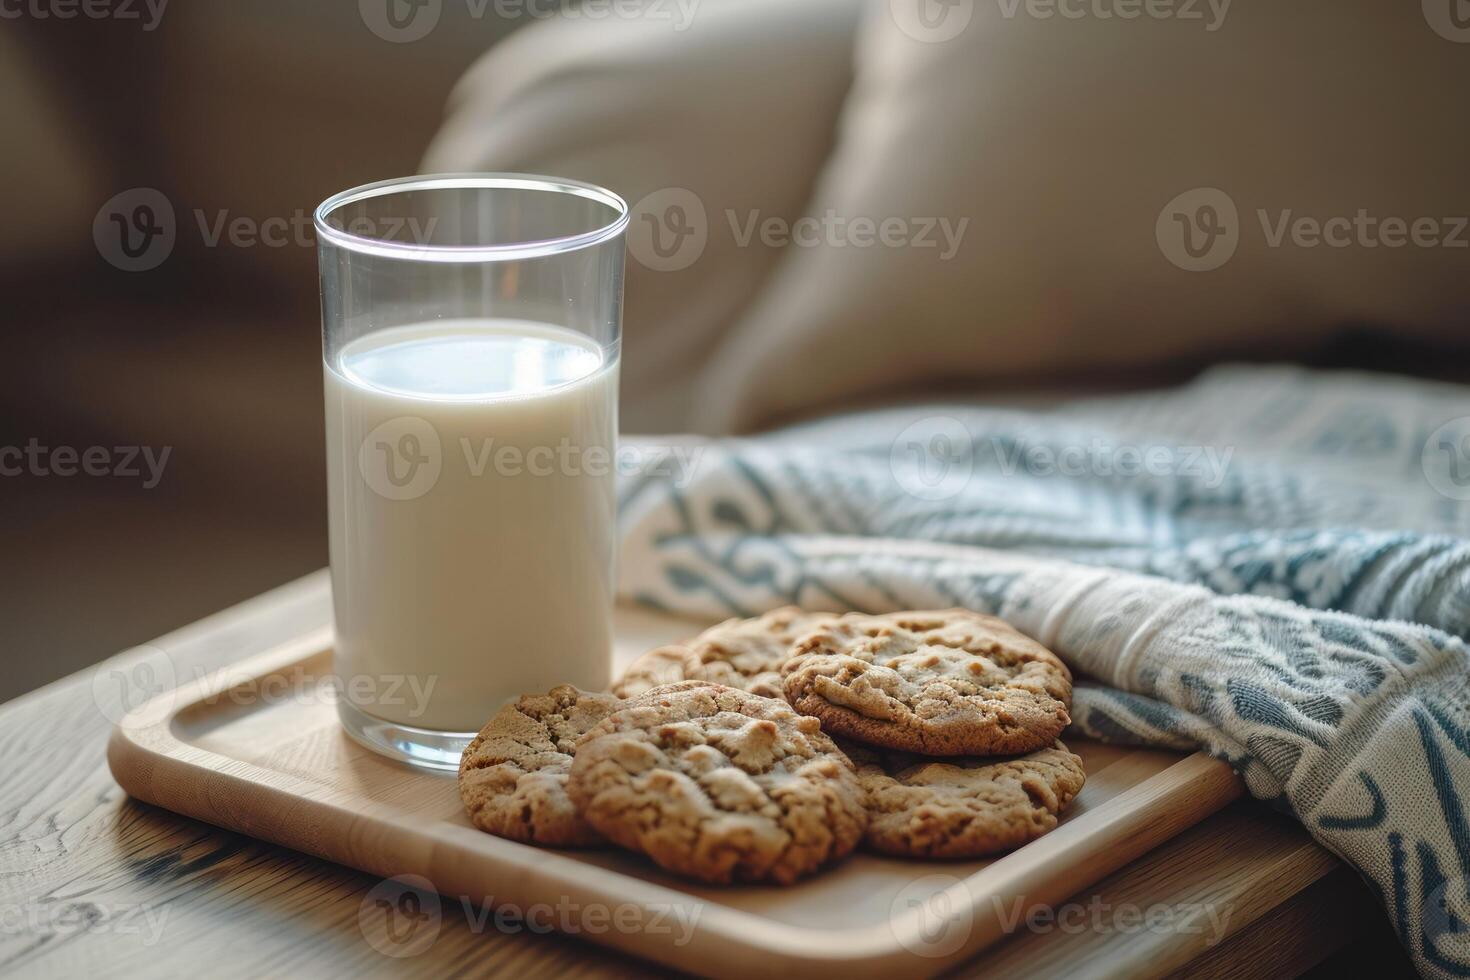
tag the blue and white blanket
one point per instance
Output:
(1271, 564)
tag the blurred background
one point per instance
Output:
(255, 111)
(240, 118)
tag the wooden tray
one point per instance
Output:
(257, 749)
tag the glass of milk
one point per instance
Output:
(471, 327)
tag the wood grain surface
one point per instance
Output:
(93, 883)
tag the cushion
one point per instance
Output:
(1070, 153)
(691, 112)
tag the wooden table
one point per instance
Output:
(93, 883)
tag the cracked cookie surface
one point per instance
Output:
(742, 653)
(951, 682)
(513, 775)
(719, 784)
(966, 806)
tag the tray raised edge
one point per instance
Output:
(151, 763)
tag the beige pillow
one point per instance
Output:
(1063, 140)
(692, 111)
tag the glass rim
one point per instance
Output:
(502, 252)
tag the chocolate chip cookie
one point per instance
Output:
(719, 784)
(513, 775)
(952, 682)
(742, 653)
(966, 806)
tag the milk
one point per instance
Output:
(471, 506)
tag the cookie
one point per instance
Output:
(660, 666)
(720, 785)
(513, 775)
(936, 683)
(963, 807)
(742, 653)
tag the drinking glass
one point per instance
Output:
(471, 326)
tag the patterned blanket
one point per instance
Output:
(1270, 564)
